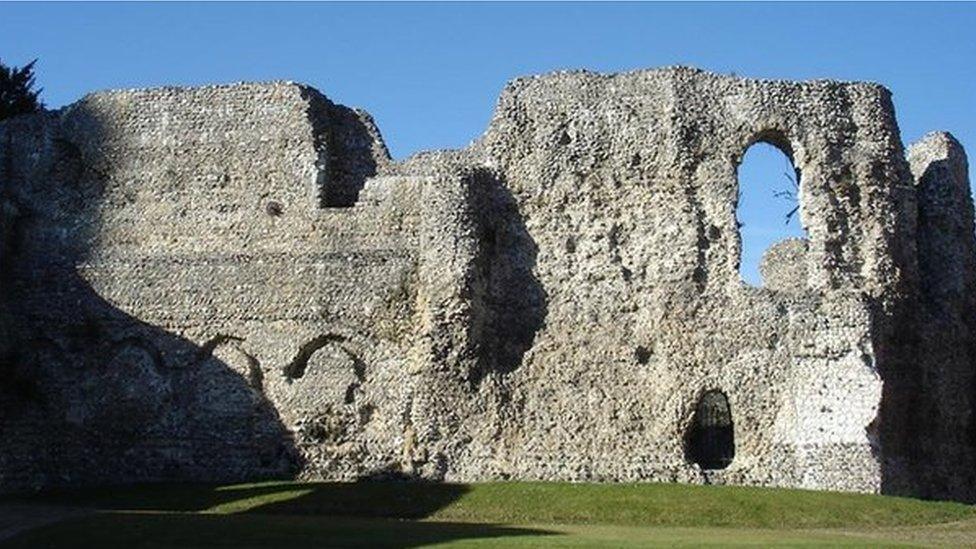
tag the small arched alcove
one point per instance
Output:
(768, 205)
(710, 440)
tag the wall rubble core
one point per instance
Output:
(236, 282)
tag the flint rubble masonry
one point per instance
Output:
(235, 282)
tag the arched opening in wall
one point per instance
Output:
(768, 214)
(711, 438)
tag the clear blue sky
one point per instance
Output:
(430, 73)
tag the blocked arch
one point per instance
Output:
(249, 366)
(129, 344)
(296, 368)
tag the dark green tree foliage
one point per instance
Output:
(17, 95)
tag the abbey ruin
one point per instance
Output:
(237, 282)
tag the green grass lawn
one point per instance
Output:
(524, 514)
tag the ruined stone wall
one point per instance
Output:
(178, 281)
(941, 420)
(234, 282)
(626, 187)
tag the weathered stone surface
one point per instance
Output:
(236, 281)
(783, 266)
(942, 430)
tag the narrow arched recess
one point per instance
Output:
(711, 438)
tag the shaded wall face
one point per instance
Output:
(939, 448)
(172, 262)
(626, 184)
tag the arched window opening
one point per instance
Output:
(711, 440)
(768, 210)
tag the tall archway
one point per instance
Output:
(711, 438)
(768, 208)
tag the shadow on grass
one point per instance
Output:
(404, 500)
(131, 529)
(272, 514)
